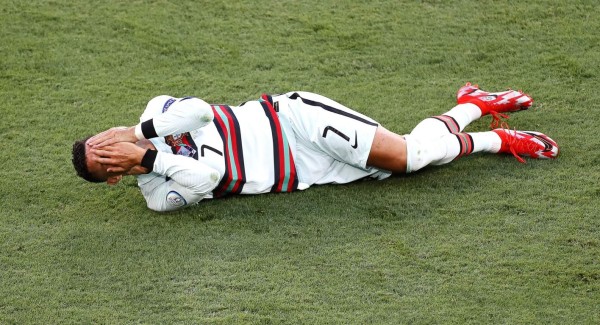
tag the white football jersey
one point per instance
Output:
(218, 149)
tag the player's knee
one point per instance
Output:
(419, 152)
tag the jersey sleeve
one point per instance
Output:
(186, 181)
(166, 115)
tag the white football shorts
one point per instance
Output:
(332, 141)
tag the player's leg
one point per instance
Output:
(338, 131)
(410, 153)
(421, 152)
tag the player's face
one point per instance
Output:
(100, 170)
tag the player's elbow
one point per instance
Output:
(167, 205)
(206, 184)
(172, 201)
(202, 110)
(206, 114)
(186, 193)
(156, 206)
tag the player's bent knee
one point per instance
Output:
(421, 152)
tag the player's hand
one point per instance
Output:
(113, 135)
(121, 157)
(137, 170)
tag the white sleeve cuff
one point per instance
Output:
(138, 132)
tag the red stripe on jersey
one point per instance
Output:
(227, 178)
(234, 146)
(293, 184)
(279, 139)
(234, 177)
(284, 181)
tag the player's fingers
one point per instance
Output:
(104, 152)
(116, 169)
(104, 142)
(136, 170)
(92, 139)
(106, 138)
(105, 160)
(100, 137)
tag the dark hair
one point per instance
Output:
(80, 162)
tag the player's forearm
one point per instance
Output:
(184, 115)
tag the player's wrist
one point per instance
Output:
(129, 135)
(148, 159)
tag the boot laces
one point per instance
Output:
(497, 120)
(516, 145)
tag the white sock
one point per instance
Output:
(453, 121)
(423, 151)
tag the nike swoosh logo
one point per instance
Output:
(355, 140)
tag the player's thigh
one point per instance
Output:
(388, 151)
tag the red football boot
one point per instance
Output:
(494, 103)
(527, 143)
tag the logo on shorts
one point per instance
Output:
(175, 199)
(355, 140)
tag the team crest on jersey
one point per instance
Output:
(182, 144)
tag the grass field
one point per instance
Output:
(485, 240)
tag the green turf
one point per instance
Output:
(483, 240)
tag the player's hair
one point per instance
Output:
(80, 162)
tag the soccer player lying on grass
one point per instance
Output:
(185, 150)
